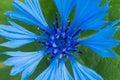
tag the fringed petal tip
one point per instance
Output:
(50, 72)
(55, 71)
(23, 62)
(102, 42)
(17, 35)
(29, 12)
(83, 73)
(65, 7)
(84, 18)
(60, 72)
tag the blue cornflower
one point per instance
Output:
(61, 41)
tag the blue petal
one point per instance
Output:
(65, 7)
(25, 62)
(21, 17)
(15, 43)
(83, 73)
(30, 69)
(102, 41)
(17, 35)
(89, 16)
(53, 72)
(63, 73)
(29, 13)
(50, 72)
(18, 53)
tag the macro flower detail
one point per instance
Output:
(24, 62)
(17, 35)
(61, 41)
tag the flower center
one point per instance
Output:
(60, 43)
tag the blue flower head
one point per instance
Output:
(60, 41)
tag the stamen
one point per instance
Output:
(76, 43)
(55, 51)
(54, 26)
(56, 20)
(40, 29)
(54, 45)
(69, 23)
(78, 51)
(76, 33)
(61, 55)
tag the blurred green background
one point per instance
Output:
(108, 68)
